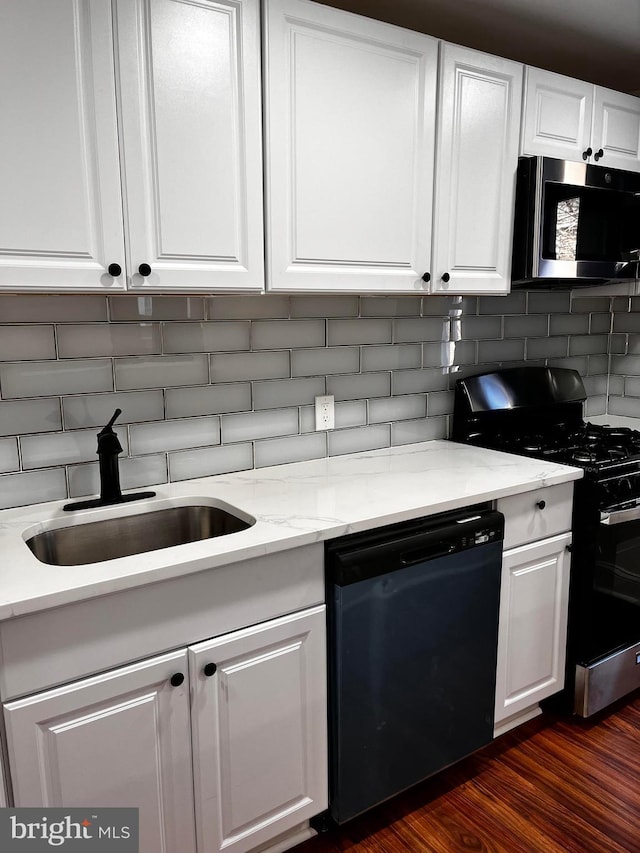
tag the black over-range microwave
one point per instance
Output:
(575, 224)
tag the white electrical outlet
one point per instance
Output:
(325, 416)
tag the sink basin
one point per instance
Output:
(111, 538)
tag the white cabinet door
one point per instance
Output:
(574, 120)
(556, 117)
(477, 144)
(259, 731)
(533, 624)
(60, 205)
(616, 129)
(350, 110)
(189, 85)
(118, 739)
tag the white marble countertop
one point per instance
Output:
(615, 421)
(293, 505)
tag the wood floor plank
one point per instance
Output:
(552, 786)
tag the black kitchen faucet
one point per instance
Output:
(109, 448)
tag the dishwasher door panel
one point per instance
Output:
(412, 674)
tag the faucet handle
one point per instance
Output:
(107, 439)
(115, 415)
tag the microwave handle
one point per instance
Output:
(620, 516)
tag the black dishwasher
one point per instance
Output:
(413, 631)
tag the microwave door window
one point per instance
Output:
(566, 227)
(589, 224)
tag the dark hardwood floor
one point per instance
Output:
(552, 786)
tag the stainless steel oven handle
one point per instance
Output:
(620, 516)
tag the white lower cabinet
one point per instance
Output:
(534, 601)
(250, 730)
(533, 625)
(259, 731)
(118, 739)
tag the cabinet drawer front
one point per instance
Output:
(537, 514)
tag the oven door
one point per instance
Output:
(612, 666)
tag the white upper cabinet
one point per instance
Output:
(573, 120)
(60, 205)
(616, 129)
(350, 112)
(161, 97)
(189, 88)
(477, 143)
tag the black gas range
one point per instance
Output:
(537, 412)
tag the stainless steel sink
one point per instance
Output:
(111, 538)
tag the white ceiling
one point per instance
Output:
(596, 40)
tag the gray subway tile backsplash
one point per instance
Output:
(546, 302)
(418, 329)
(387, 409)
(547, 347)
(359, 386)
(358, 439)
(248, 307)
(135, 472)
(234, 367)
(392, 306)
(94, 410)
(361, 331)
(399, 357)
(29, 308)
(280, 393)
(147, 308)
(47, 378)
(207, 400)
(423, 429)
(27, 343)
(211, 385)
(295, 448)
(9, 458)
(324, 306)
(569, 324)
(588, 344)
(254, 425)
(91, 341)
(161, 371)
(287, 334)
(325, 360)
(526, 326)
(177, 434)
(63, 448)
(26, 416)
(32, 487)
(208, 461)
(419, 381)
(218, 336)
